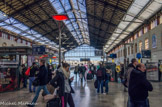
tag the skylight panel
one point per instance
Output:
(2, 16)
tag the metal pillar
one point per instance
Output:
(59, 43)
(125, 57)
(103, 54)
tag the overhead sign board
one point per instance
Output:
(113, 56)
(38, 49)
(146, 53)
(84, 59)
(98, 53)
(152, 71)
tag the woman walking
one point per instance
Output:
(63, 80)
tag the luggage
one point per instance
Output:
(89, 72)
(55, 102)
(36, 82)
(89, 76)
(50, 89)
(96, 84)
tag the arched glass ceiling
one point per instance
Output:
(17, 27)
(136, 15)
(77, 23)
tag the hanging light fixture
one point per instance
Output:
(60, 17)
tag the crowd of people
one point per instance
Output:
(133, 78)
(43, 78)
(137, 84)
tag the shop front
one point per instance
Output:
(10, 67)
(152, 71)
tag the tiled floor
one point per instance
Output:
(86, 96)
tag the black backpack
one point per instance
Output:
(99, 73)
(96, 84)
(55, 102)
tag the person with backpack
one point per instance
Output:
(100, 77)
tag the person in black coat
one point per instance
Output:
(33, 70)
(101, 72)
(63, 81)
(42, 76)
(24, 76)
(139, 87)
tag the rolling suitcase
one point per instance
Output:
(89, 76)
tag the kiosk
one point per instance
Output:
(10, 71)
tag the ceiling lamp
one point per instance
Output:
(60, 17)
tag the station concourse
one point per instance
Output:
(80, 53)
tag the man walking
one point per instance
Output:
(42, 76)
(139, 87)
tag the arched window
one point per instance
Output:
(136, 48)
(140, 46)
(146, 43)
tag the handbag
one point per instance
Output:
(36, 82)
(55, 102)
(124, 81)
(51, 96)
(96, 84)
(27, 73)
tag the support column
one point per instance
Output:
(59, 44)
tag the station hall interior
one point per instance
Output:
(80, 53)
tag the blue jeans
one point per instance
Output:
(31, 79)
(38, 91)
(106, 86)
(100, 82)
(25, 82)
(144, 103)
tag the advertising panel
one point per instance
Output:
(154, 41)
(160, 70)
(152, 71)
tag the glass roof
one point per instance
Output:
(77, 23)
(17, 27)
(139, 11)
